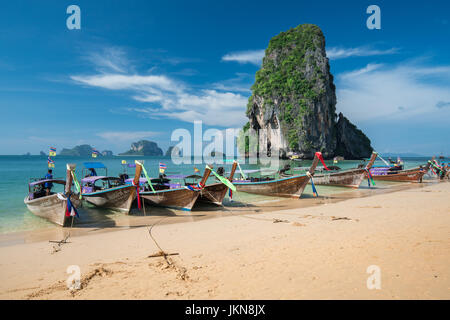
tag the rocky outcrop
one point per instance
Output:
(42, 153)
(352, 143)
(143, 148)
(294, 97)
(83, 150)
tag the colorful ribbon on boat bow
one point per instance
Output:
(198, 187)
(369, 178)
(77, 184)
(146, 175)
(137, 194)
(70, 209)
(319, 155)
(312, 184)
(225, 181)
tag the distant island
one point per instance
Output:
(143, 148)
(83, 150)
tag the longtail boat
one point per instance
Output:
(107, 192)
(216, 192)
(290, 187)
(351, 178)
(391, 174)
(171, 195)
(59, 208)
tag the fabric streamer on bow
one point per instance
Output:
(225, 181)
(241, 172)
(146, 175)
(314, 190)
(137, 194)
(198, 187)
(230, 194)
(70, 209)
(369, 178)
(319, 155)
(77, 184)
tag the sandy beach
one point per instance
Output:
(316, 252)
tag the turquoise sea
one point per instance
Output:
(15, 172)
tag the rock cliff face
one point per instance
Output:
(294, 92)
(143, 148)
(352, 143)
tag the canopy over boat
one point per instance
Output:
(263, 171)
(141, 180)
(35, 183)
(182, 176)
(94, 165)
(93, 178)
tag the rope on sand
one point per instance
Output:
(58, 246)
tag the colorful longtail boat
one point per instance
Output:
(351, 178)
(409, 175)
(290, 187)
(176, 197)
(113, 193)
(216, 192)
(54, 206)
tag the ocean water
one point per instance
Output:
(16, 171)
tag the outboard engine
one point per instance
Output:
(287, 167)
(123, 177)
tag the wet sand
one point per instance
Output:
(268, 249)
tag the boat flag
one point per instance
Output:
(196, 170)
(51, 163)
(95, 153)
(52, 152)
(162, 167)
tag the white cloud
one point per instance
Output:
(126, 135)
(394, 92)
(335, 53)
(210, 106)
(251, 56)
(220, 105)
(110, 59)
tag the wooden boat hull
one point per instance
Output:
(349, 178)
(181, 199)
(52, 208)
(213, 193)
(119, 198)
(291, 187)
(410, 175)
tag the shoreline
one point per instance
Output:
(200, 212)
(316, 252)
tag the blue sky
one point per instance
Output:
(140, 69)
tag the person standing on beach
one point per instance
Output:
(48, 185)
